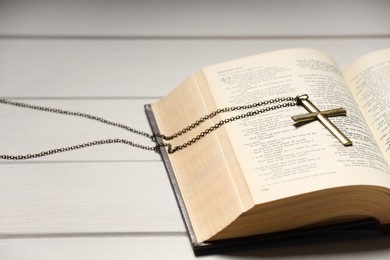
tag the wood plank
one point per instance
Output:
(79, 198)
(172, 246)
(28, 131)
(110, 58)
(195, 18)
(131, 68)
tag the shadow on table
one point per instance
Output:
(356, 246)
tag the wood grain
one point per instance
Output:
(29, 131)
(177, 247)
(100, 197)
(136, 68)
(109, 58)
(195, 18)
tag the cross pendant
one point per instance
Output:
(322, 116)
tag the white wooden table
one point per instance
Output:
(109, 58)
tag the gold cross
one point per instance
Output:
(322, 116)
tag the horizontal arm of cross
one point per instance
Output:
(313, 115)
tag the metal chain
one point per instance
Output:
(223, 110)
(78, 114)
(284, 102)
(229, 120)
(75, 147)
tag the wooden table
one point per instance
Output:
(109, 58)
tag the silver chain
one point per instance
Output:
(282, 102)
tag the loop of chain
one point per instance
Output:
(220, 111)
(285, 102)
(76, 147)
(228, 120)
(78, 114)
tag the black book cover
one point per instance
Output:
(357, 229)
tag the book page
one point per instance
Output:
(207, 172)
(278, 158)
(369, 79)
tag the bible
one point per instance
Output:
(264, 178)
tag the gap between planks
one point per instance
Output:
(82, 97)
(186, 37)
(95, 235)
(76, 161)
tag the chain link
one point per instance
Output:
(77, 114)
(220, 111)
(291, 102)
(284, 102)
(75, 147)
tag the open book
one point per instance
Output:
(265, 175)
